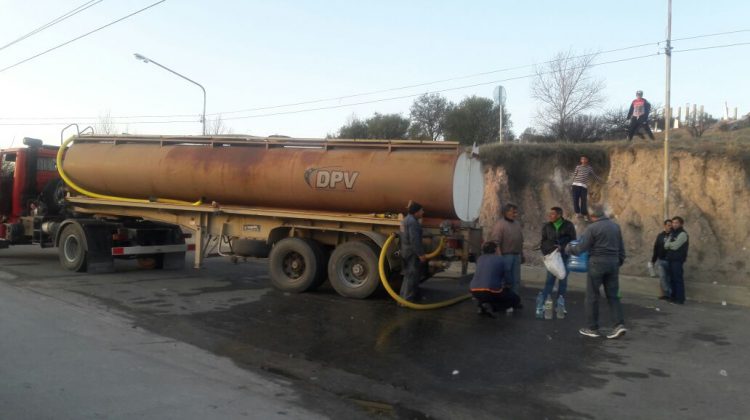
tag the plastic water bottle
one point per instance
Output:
(548, 308)
(560, 307)
(539, 306)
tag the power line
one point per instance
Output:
(713, 47)
(451, 79)
(338, 98)
(54, 22)
(82, 36)
(384, 90)
(526, 76)
(435, 91)
(709, 35)
(88, 122)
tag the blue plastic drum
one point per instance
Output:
(578, 263)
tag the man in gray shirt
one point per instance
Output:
(602, 239)
(508, 236)
(412, 251)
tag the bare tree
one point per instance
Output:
(105, 125)
(565, 89)
(217, 127)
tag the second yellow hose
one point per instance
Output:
(399, 299)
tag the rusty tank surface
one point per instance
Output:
(356, 176)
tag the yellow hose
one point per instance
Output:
(87, 193)
(399, 299)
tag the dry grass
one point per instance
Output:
(518, 159)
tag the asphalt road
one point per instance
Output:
(220, 343)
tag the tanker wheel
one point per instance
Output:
(72, 248)
(295, 265)
(353, 269)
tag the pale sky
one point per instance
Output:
(253, 54)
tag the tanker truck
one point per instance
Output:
(316, 209)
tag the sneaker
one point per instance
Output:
(485, 309)
(663, 297)
(560, 309)
(588, 332)
(617, 332)
(539, 306)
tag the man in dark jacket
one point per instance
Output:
(603, 241)
(489, 285)
(659, 260)
(412, 251)
(638, 116)
(555, 235)
(677, 250)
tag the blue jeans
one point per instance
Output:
(549, 285)
(512, 263)
(603, 272)
(662, 268)
(677, 281)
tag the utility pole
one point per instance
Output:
(667, 109)
(499, 94)
(500, 135)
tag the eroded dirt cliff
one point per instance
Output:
(708, 189)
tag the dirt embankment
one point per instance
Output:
(708, 189)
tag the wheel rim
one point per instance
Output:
(293, 265)
(353, 270)
(71, 248)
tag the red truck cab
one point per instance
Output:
(28, 180)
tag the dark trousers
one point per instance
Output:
(603, 272)
(499, 301)
(635, 124)
(677, 281)
(412, 276)
(580, 198)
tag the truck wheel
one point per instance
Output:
(295, 265)
(353, 269)
(72, 249)
(53, 196)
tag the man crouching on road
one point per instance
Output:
(603, 241)
(489, 285)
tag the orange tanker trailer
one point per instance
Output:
(317, 208)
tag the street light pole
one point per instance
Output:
(148, 60)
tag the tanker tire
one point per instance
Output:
(353, 269)
(72, 249)
(294, 265)
(53, 196)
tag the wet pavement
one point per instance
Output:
(381, 361)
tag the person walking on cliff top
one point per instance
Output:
(677, 250)
(659, 260)
(603, 241)
(638, 116)
(508, 236)
(580, 191)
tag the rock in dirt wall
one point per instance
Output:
(709, 191)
